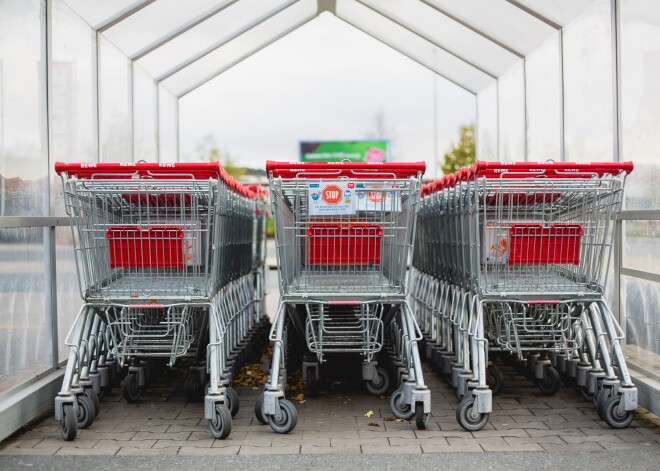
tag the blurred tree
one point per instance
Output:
(209, 151)
(462, 154)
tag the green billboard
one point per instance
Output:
(336, 151)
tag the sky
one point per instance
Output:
(325, 81)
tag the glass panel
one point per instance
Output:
(588, 85)
(641, 247)
(73, 117)
(25, 328)
(641, 300)
(487, 123)
(145, 127)
(413, 46)
(501, 20)
(511, 116)
(68, 292)
(115, 104)
(559, 11)
(96, 12)
(156, 21)
(23, 161)
(168, 127)
(543, 97)
(208, 35)
(448, 33)
(261, 108)
(640, 100)
(234, 51)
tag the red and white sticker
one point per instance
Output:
(331, 198)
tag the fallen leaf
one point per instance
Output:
(299, 397)
(369, 414)
(373, 424)
(382, 398)
(302, 402)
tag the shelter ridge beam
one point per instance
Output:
(179, 31)
(416, 33)
(535, 14)
(217, 45)
(122, 15)
(472, 28)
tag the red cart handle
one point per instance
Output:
(344, 169)
(551, 169)
(153, 171)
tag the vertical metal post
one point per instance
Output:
(619, 310)
(95, 94)
(497, 121)
(176, 117)
(525, 133)
(435, 124)
(157, 106)
(50, 298)
(98, 84)
(131, 101)
(562, 97)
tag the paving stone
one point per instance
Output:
(125, 450)
(510, 447)
(125, 443)
(386, 450)
(162, 436)
(435, 448)
(188, 450)
(10, 450)
(282, 450)
(180, 443)
(88, 452)
(572, 447)
(500, 433)
(359, 441)
(329, 450)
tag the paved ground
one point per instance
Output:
(336, 423)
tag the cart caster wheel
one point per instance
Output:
(131, 389)
(312, 382)
(614, 417)
(220, 424)
(421, 418)
(400, 409)
(232, 401)
(464, 416)
(494, 379)
(600, 400)
(550, 383)
(91, 394)
(68, 425)
(585, 393)
(192, 388)
(286, 419)
(259, 410)
(86, 414)
(380, 385)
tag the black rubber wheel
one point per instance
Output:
(131, 389)
(232, 401)
(68, 425)
(421, 418)
(312, 382)
(90, 393)
(613, 417)
(86, 415)
(381, 384)
(259, 410)
(494, 379)
(400, 409)
(464, 418)
(585, 393)
(287, 418)
(220, 424)
(550, 383)
(192, 387)
(600, 400)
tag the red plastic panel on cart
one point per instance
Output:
(153, 247)
(353, 244)
(533, 244)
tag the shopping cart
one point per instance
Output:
(166, 268)
(513, 258)
(344, 234)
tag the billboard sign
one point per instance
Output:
(336, 151)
